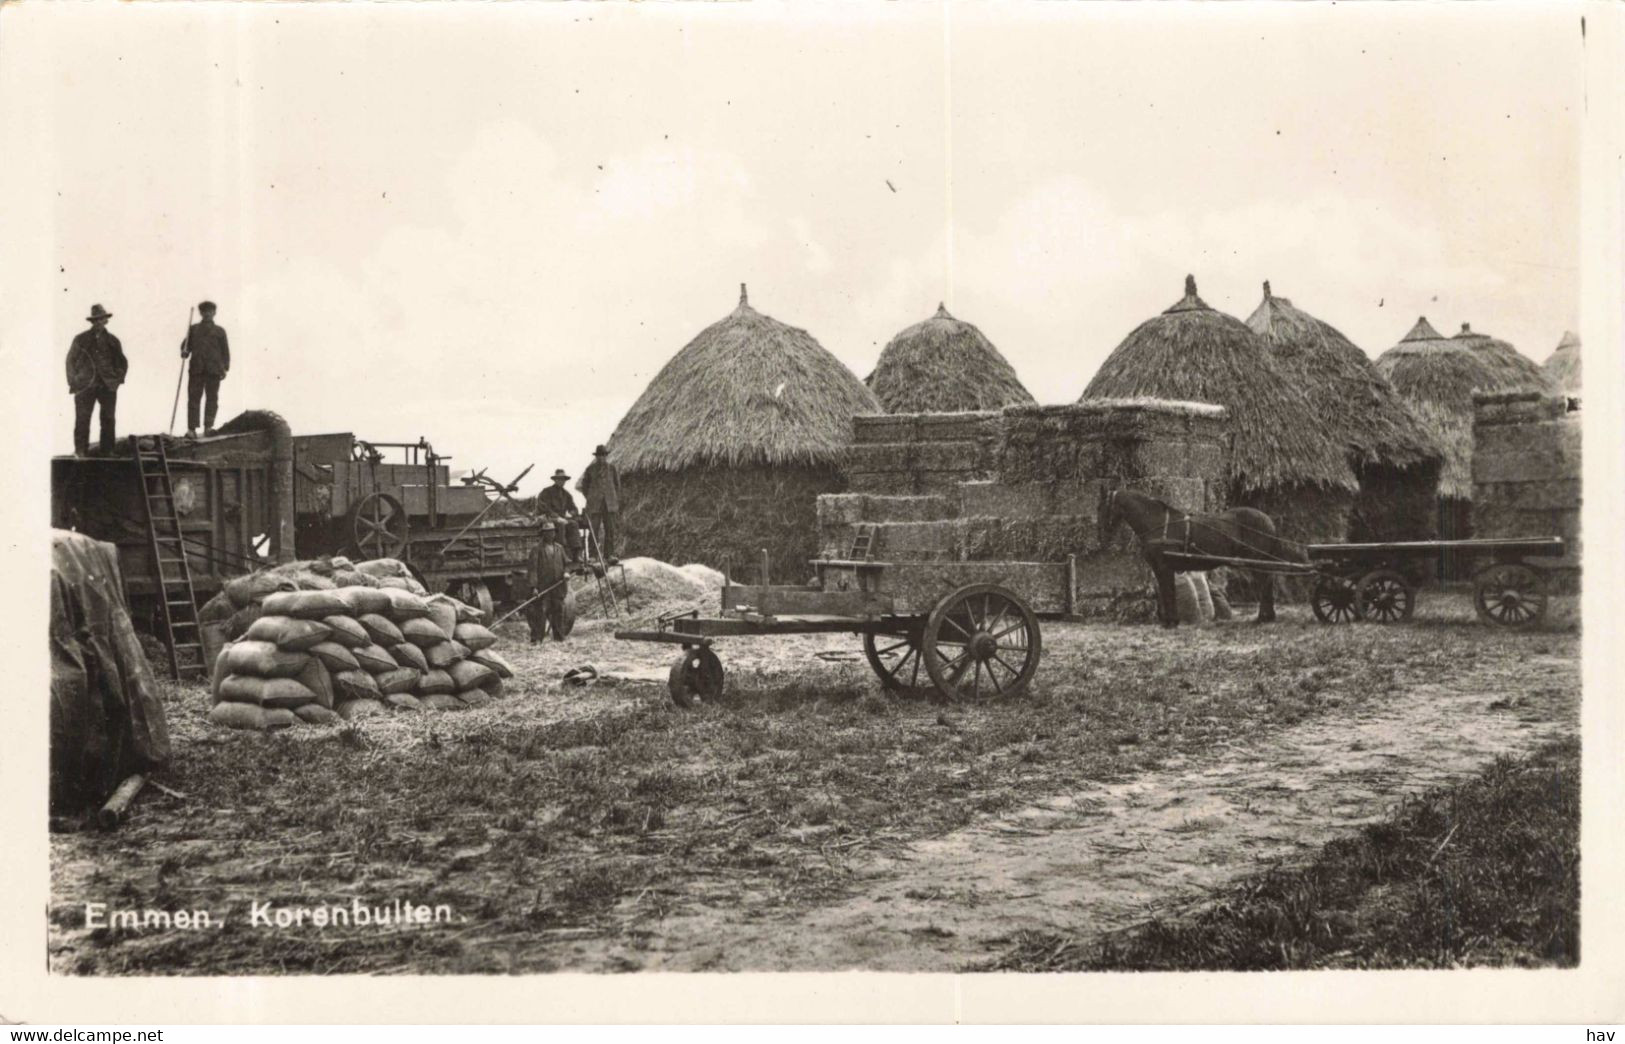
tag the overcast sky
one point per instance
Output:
(492, 224)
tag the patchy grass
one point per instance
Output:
(560, 815)
(1486, 873)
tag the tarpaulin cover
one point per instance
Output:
(106, 718)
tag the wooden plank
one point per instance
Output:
(795, 601)
(1551, 547)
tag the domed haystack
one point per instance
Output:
(944, 365)
(1283, 460)
(727, 449)
(1562, 368)
(1395, 460)
(1513, 370)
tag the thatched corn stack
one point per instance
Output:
(1562, 367)
(321, 654)
(1283, 460)
(944, 365)
(1510, 368)
(1395, 460)
(727, 449)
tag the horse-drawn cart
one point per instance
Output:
(971, 628)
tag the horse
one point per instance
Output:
(1237, 533)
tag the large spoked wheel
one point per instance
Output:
(1385, 596)
(1510, 594)
(1335, 600)
(378, 527)
(981, 642)
(695, 678)
(896, 659)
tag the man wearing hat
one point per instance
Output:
(556, 503)
(601, 485)
(96, 367)
(206, 346)
(546, 574)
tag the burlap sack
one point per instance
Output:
(218, 672)
(334, 656)
(408, 655)
(265, 692)
(263, 660)
(355, 710)
(403, 702)
(287, 633)
(423, 632)
(401, 679)
(403, 605)
(445, 654)
(380, 629)
(280, 718)
(242, 620)
(493, 687)
(436, 683)
(359, 601)
(380, 567)
(442, 701)
(237, 716)
(475, 636)
(375, 659)
(339, 563)
(467, 674)
(306, 605)
(315, 714)
(218, 609)
(246, 590)
(494, 660)
(444, 614)
(347, 632)
(319, 680)
(354, 685)
(346, 578)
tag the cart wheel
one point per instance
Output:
(1334, 600)
(478, 595)
(695, 678)
(1510, 594)
(378, 527)
(1385, 596)
(896, 658)
(981, 641)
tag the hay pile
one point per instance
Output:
(306, 648)
(944, 365)
(1562, 367)
(645, 588)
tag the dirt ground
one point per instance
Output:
(807, 822)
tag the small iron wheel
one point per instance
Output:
(378, 527)
(981, 642)
(475, 593)
(1334, 600)
(1510, 594)
(1385, 596)
(895, 658)
(695, 678)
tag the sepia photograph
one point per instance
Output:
(989, 490)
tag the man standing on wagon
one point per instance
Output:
(206, 346)
(96, 367)
(555, 502)
(601, 485)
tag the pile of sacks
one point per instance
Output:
(348, 651)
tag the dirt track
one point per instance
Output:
(1109, 856)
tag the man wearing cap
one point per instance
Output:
(556, 503)
(601, 485)
(546, 574)
(206, 346)
(96, 367)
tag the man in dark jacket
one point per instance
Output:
(601, 485)
(546, 573)
(555, 502)
(206, 346)
(96, 367)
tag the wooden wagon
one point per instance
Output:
(963, 630)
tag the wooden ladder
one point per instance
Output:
(863, 541)
(177, 602)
